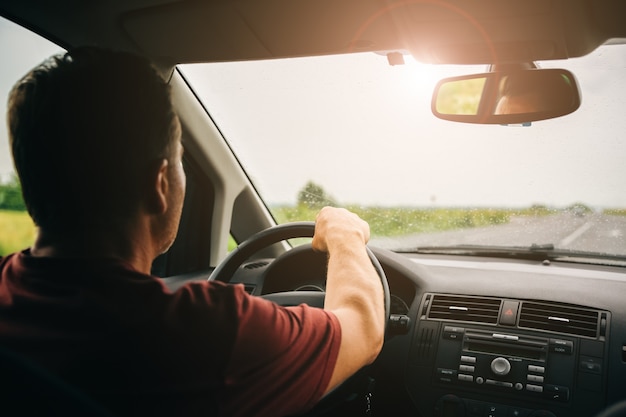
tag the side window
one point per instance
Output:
(21, 50)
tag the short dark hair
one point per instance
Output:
(84, 127)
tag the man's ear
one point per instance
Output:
(158, 188)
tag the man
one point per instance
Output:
(535, 92)
(96, 144)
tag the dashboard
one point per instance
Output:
(478, 337)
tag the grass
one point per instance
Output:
(385, 221)
(17, 231)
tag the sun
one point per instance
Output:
(420, 76)
(423, 76)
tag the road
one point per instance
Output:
(590, 233)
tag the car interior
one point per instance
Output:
(528, 322)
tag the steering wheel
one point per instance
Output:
(227, 268)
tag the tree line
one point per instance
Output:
(313, 196)
(11, 195)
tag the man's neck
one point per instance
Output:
(87, 244)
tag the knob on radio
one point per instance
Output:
(500, 366)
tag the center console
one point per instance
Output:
(489, 357)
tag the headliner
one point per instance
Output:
(434, 31)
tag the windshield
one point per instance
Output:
(354, 131)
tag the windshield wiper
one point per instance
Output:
(534, 252)
(541, 247)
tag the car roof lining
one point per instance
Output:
(435, 31)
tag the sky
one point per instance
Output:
(21, 51)
(363, 130)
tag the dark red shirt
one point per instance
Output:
(140, 349)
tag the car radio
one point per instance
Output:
(522, 364)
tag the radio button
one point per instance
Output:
(519, 386)
(445, 371)
(446, 375)
(499, 383)
(556, 393)
(561, 346)
(453, 332)
(537, 369)
(480, 380)
(500, 366)
(534, 388)
(466, 368)
(468, 359)
(467, 378)
(535, 378)
(589, 364)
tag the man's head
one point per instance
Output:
(89, 130)
(534, 92)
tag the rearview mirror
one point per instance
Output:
(506, 97)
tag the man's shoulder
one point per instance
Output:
(4, 259)
(10, 263)
(218, 296)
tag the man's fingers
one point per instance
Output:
(333, 224)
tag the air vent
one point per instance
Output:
(425, 347)
(255, 265)
(465, 308)
(559, 318)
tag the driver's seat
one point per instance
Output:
(28, 390)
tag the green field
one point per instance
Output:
(17, 231)
(615, 212)
(385, 221)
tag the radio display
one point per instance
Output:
(504, 349)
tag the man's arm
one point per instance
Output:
(354, 292)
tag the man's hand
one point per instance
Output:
(338, 225)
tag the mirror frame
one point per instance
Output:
(489, 98)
